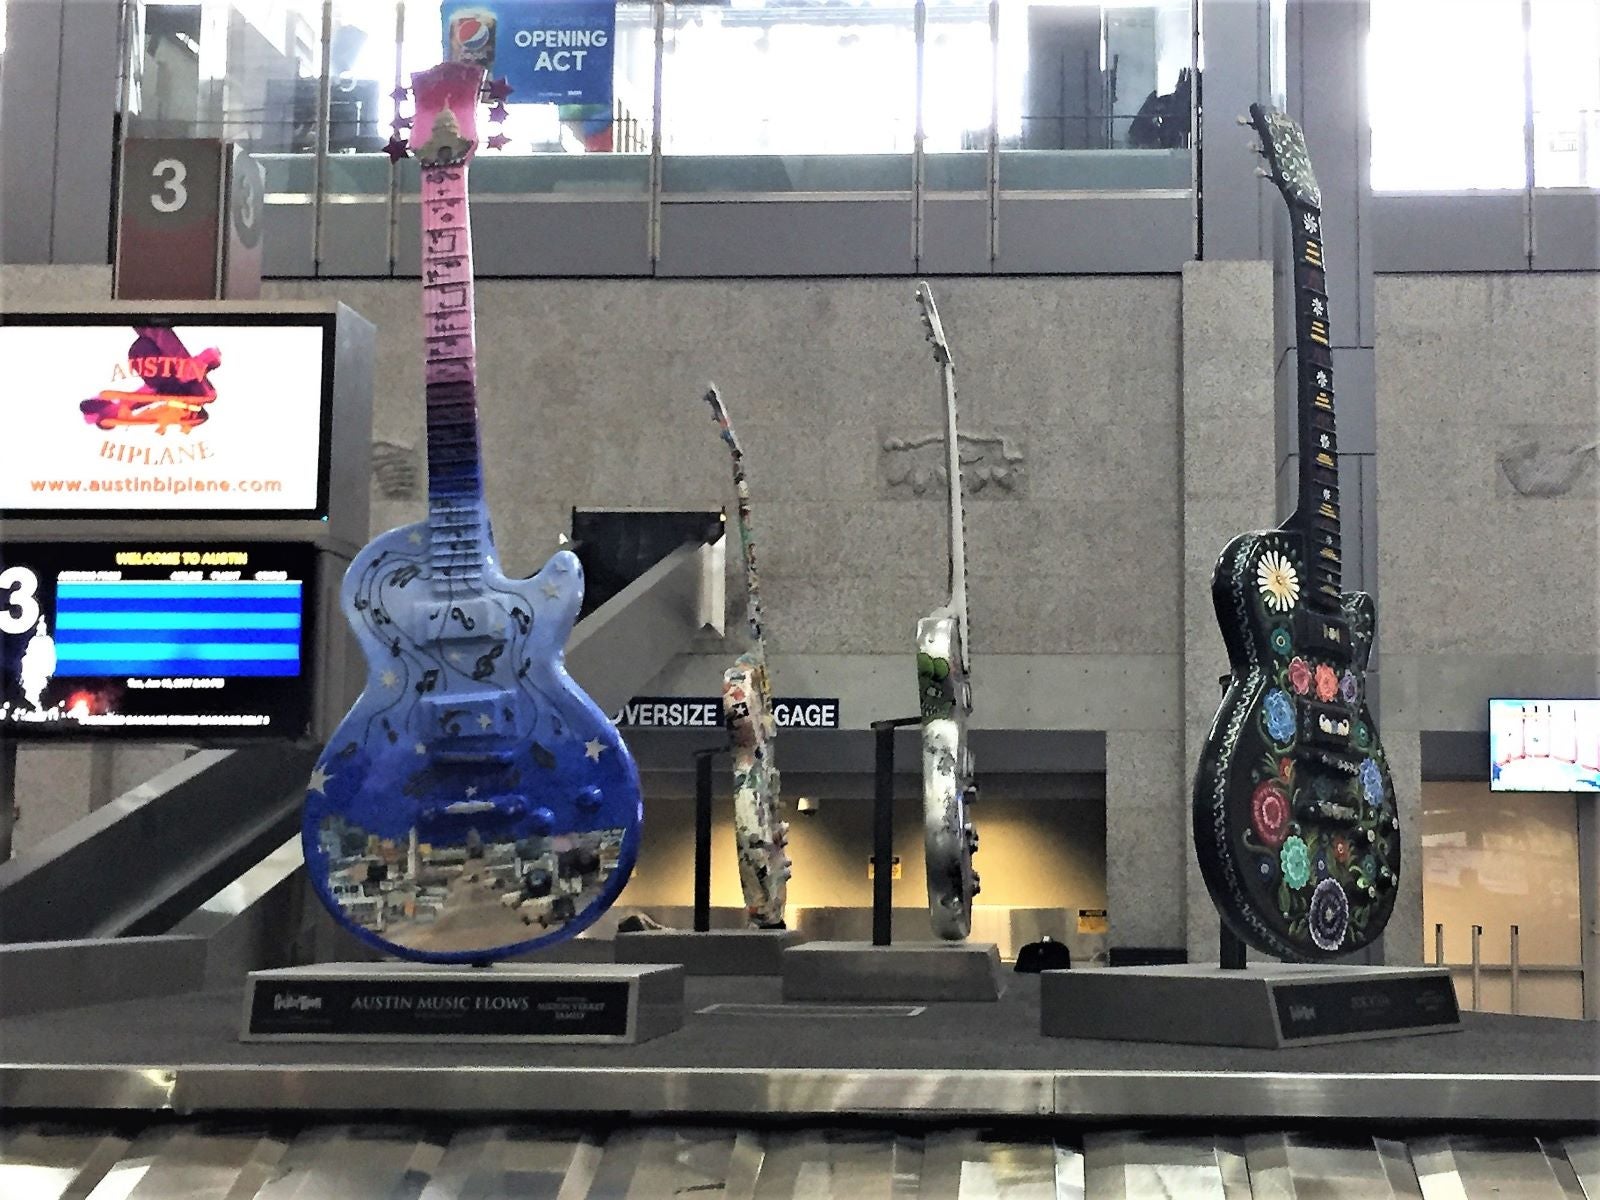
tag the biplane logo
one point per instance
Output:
(173, 388)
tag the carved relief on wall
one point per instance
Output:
(396, 472)
(1546, 462)
(993, 465)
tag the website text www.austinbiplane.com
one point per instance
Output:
(171, 484)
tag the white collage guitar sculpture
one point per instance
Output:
(759, 831)
(945, 694)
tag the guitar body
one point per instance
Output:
(471, 770)
(1294, 812)
(759, 831)
(949, 838)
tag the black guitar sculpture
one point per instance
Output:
(1294, 813)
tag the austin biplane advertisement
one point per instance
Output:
(119, 417)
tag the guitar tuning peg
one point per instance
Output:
(1245, 120)
(1263, 173)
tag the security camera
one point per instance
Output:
(808, 805)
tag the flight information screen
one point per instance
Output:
(201, 641)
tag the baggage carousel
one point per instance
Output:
(743, 1054)
(294, 1159)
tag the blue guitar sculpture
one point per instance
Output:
(475, 803)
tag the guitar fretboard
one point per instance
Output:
(455, 474)
(1318, 515)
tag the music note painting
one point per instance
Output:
(475, 803)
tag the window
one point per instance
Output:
(1449, 97)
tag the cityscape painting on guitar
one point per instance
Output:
(760, 833)
(475, 803)
(945, 691)
(1294, 812)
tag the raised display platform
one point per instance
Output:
(944, 1061)
(1267, 1004)
(860, 971)
(709, 951)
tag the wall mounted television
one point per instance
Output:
(166, 413)
(202, 640)
(1544, 745)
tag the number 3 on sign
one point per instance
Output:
(173, 195)
(20, 587)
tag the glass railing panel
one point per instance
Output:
(712, 173)
(548, 174)
(794, 87)
(1094, 170)
(1565, 48)
(955, 172)
(1095, 96)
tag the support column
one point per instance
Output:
(1403, 938)
(1148, 854)
(1589, 902)
(1227, 490)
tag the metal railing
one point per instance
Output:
(1513, 968)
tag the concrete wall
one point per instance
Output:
(1488, 413)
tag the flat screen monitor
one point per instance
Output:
(1544, 745)
(179, 641)
(199, 415)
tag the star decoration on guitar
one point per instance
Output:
(485, 720)
(1322, 379)
(551, 591)
(389, 679)
(1318, 308)
(593, 748)
(319, 780)
(1310, 223)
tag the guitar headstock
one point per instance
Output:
(445, 123)
(1283, 145)
(931, 325)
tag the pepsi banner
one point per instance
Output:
(549, 51)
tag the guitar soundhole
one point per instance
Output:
(458, 885)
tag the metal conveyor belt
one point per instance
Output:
(237, 1160)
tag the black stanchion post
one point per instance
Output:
(883, 828)
(883, 833)
(702, 840)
